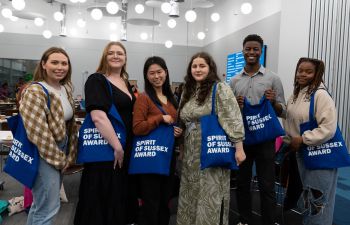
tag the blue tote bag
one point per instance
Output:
(260, 122)
(92, 147)
(216, 148)
(23, 161)
(152, 153)
(329, 155)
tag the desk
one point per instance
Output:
(5, 136)
(5, 140)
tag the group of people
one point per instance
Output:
(109, 195)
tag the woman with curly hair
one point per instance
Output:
(204, 194)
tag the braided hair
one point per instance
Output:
(317, 80)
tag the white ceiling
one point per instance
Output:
(183, 34)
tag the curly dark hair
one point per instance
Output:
(205, 85)
(254, 37)
(315, 83)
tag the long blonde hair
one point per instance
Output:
(104, 67)
(40, 73)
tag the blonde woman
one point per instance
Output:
(104, 191)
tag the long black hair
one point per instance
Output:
(166, 86)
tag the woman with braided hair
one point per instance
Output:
(319, 185)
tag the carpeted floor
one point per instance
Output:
(66, 214)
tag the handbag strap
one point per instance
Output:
(158, 105)
(213, 99)
(312, 103)
(46, 92)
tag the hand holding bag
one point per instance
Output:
(23, 161)
(260, 122)
(216, 148)
(92, 147)
(329, 155)
(152, 153)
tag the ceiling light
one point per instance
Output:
(144, 36)
(168, 44)
(171, 23)
(139, 8)
(113, 26)
(174, 12)
(74, 1)
(73, 32)
(201, 35)
(113, 37)
(81, 23)
(14, 18)
(215, 17)
(6, 12)
(190, 16)
(47, 34)
(82, 1)
(18, 4)
(38, 21)
(96, 14)
(166, 7)
(58, 16)
(2, 28)
(112, 7)
(246, 8)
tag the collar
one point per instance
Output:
(261, 71)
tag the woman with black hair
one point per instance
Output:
(155, 189)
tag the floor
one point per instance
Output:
(66, 214)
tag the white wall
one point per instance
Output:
(294, 39)
(268, 28)
(85, 55)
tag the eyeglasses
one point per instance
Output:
(118, 53)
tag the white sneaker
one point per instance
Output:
(242, 223)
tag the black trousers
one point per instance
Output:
(156, 191)
(264, 156)
(295, 187)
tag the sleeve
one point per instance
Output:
(97, 94)
(33, 109)
(278, 87)
(326, 117)
(232, 85)
(229, 114)
(143, 121)
(72, 132)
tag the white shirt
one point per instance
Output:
(63, 96)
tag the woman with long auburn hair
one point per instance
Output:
(105, 190)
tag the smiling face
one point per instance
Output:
(156, 75)
(199, 69)
(116, 57)
(305, 74)
(252, 52)
(56, 67)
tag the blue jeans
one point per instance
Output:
(318, 196)
(46, 193)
